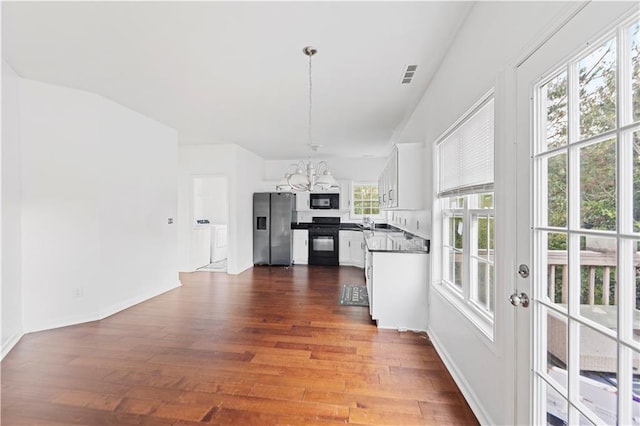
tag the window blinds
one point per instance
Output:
(465, 154)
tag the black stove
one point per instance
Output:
(324, 241)
(325, 222)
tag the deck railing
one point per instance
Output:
(592, 261)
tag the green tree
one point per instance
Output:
(597, 114)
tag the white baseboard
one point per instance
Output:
(10, 343)
(458, 377)
(114, 309)
(348, 263)
(239, 268)
(60, 322)
(102, 313)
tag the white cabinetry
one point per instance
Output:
(392, 179)
(400, 185)
(345, 195)
(300, 246)
(368, 276)
(397, 288)
(351, 251)
(302, 200)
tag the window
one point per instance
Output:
(365, 200)
(465, 190)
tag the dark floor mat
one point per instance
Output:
(354, 295)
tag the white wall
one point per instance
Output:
(98, 185)
(494, 35)
(138, 195)
(211, 199)
(11, 230)
(244, 172)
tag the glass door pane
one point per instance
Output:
(586, 233)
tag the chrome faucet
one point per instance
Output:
(368, 223)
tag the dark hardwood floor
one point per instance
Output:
(268, 346)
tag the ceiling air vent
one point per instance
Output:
(408, 74)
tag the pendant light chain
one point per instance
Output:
(307, 176)
(310, 101)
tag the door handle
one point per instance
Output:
(519, 299)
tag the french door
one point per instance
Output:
(578, 221)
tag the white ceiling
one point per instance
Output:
(234, 72)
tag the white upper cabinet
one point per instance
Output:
(400, 185)
(345, 195)
(392, 180)
(302, 201)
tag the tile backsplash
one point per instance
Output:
(417, 222)
(306, 215)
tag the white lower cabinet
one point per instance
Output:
(300, 246)
(351, 249)
(344, 255)
(397, 287)
(368, 276)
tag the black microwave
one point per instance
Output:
(324, 201)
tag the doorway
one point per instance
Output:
(578, 204)
(210, 214)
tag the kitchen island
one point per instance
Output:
(396, 272)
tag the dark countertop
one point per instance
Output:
(350, 227)
(396, 242)
(300, 225)
(385, 238)
(346, 226)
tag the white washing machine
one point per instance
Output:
(218, 242)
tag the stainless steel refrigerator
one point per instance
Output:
(273, 213)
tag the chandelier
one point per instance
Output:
(304, 175)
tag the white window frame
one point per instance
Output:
(463, 297)
(352, 213)
(475, 214)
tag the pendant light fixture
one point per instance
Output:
(307, 176)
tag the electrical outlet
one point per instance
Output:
(78, 292)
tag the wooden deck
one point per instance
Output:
(269, 346)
